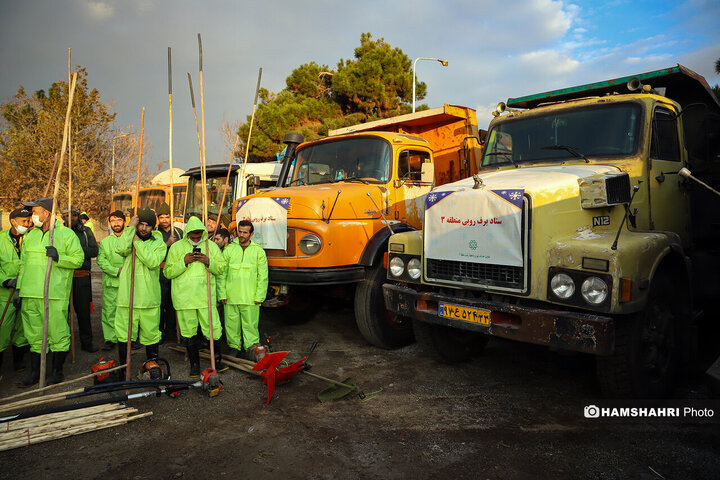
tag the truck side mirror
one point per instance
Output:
(427, 172)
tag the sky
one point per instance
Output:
(495, 49)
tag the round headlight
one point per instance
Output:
(310, 244)
(594, 290)
(397, 266)
(562, 286)
(413, 268)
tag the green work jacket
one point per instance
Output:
(245, 280)
(189, 282)
(110, 261)
(9, 265)
(33, 263)
(149, 255)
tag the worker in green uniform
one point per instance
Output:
(67, 255)
(242, 289)
(110, 262)
(149, 254)
(187, 263)
(85, 219)
(10, 244)
(170, 235)
(82, 280)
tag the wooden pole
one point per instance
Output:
(71, 303)
(197, 129)
(252, 119)
(170, 149)
(52, 174)
(132, 267)
(203, 173)
(51, 234)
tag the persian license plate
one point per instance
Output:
(457, 312)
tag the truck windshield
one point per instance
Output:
(598, 131)
(213, 193)
(363, 158)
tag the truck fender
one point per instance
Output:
(673, 260)
(377, 244)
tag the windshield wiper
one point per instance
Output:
(356, 179)
(299, 179)
(508, 155)
(571, 150)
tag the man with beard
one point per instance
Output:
(170, 235)
(67, 255)
(10, 244)
(82, 283)
(149, 254)
(110, 262)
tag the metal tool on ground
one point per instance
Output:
(211, 381)
(336, 389)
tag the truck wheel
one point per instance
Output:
(448, 345)
(378, 326)
(647, 353)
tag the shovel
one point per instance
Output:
(336, 389)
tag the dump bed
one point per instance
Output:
(451, 130)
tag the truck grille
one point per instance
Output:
(617, 189)
(480, 273)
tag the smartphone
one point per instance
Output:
(196, 250)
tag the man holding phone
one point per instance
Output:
(187, 264)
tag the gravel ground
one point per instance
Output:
(514, 413)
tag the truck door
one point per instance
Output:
(669, 201)
(412, 186)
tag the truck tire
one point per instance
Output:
(378, 326)
(647, 347)
(448, 345)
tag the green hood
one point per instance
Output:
(193, 224)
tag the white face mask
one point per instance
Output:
(36, 221)
(194, 244)
(21, 229)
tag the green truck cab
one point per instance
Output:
(578, 232)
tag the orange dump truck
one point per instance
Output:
(326, 224)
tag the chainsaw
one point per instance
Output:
(152, 369)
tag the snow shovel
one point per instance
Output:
(336, 389)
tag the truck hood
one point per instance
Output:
(306, 201)
(543, 184)
(487, 225)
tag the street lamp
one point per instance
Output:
(112, 171)
(442, 61)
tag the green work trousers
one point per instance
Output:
(241, 325)
(12, 319)
(189, 319)
(146, 320)
(109, 297)
(58, 328)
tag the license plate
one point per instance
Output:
(457, 312)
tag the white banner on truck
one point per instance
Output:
(269, 218)
(475, 225)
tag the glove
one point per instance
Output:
(17, 302)
(10, 283)
(52, 253)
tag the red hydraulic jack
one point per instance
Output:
(271, 374)
(211, 382)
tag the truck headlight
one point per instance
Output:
(310, 244)
(413, 268)
(397, 266)
(594, 290)
(562, 285)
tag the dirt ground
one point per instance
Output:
(514, 413)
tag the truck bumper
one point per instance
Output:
(316, 276)
(580, 332)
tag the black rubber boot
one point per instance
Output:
(122, 354)
(219, 365)
(152, 351)
(193, 350)
(57, 367)
(19, 357)
(34, 374)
